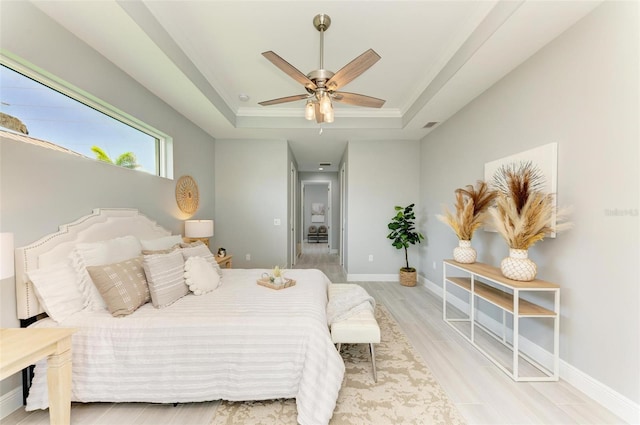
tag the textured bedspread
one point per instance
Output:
(240, 342)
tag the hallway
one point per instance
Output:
(316, 256)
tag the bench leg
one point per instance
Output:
(373, 362)
(338, 347)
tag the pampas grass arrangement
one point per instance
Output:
(471, 206)
(523, 214)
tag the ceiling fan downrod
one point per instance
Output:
(322, 23)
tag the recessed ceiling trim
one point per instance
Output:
(489, 25)
(339, 112)
(156, 32)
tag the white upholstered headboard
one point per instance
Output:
(102, 224)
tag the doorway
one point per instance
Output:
(316, 216)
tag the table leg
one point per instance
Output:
(59, 383)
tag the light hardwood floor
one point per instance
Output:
(482, 393)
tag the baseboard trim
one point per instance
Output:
(373, 278)
(10, 402)
(618, 404)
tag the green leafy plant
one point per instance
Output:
(126, 160)
(403, 231)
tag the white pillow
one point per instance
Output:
(98, 254)
(198, 249)
(57, 289)
(109, 251)
(165, 242)
(200, 275)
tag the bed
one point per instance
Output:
(241, 341)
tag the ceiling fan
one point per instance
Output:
(322, 85)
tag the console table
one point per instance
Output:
(20, 348)
(483, 282)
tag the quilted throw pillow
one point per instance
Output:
(123, 285)
(198, 249)
(165, 276)
(200, 275)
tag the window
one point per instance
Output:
(58, 113)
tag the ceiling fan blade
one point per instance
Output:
(353, 69)
(284, 99)
(357, 99)
(319, 115)
(289, 69)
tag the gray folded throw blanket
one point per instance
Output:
(345, 304)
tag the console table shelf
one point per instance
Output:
(483, 282)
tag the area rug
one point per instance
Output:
(406, 392)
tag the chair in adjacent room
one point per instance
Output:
(312, 236)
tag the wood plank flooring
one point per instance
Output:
(482, 393)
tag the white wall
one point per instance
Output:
(41, 188)
(580, 91)
(251, 191)
(381, 175)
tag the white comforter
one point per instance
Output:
(239, 342)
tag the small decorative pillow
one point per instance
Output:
(123, 285)
(57, 288)
(198, 249)
(165, 242)
(165, 276)
(200, 275)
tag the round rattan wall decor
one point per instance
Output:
(187, 195)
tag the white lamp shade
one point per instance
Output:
(198, 228)
(7, 267)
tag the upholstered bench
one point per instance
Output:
(361, 328)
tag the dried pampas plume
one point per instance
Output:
(471, 206)
(523, 214)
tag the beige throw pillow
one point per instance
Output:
(123, 285)
(165, 276)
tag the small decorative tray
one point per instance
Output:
(266, 282)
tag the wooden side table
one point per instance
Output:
(191, 240)
(225, 261)
(20, 348)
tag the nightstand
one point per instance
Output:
(225, 262)
(191, 240)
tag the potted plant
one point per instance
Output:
(471, 207)
(403, 234)
(523, 215)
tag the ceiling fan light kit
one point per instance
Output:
(322, 85)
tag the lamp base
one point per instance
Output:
(203, 240)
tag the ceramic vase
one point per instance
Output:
(518, 266)
(464, 253)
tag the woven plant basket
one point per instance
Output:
(408, 278)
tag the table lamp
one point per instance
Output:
(198, 230)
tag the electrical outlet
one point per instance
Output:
(247, 257)
(276, 222)
(434, 265)
(370, 257)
